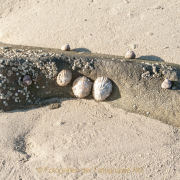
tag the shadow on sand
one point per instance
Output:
(151, 58)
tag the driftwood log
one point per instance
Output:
(136, 83)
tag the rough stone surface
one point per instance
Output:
(134, 81)
(54, 106)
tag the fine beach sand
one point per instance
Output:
(150, 27)
(84, 139)
(84, 135)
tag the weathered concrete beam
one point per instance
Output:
(136, 83)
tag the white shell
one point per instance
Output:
(66, 47)
(130, 55)
(81, 87)
(64, 77)
(166, 84)
(102, 88)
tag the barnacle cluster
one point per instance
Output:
(23, 67)
(158, 70)
(85, 64)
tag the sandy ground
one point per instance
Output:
(84, 139)
(151, 28)
(89, 140)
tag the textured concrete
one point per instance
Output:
(136, 83)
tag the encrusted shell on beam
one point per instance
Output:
(81, 87)
(66, 47)
(166, 84)
(102, 88)
(130, 55)
(64, 77)
(27, 80)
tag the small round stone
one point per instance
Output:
(130, 55)
(134, 106)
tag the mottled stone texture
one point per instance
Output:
(136, 83)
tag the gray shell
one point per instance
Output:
(102, 88)
(130, 55)
(27, 80)
(66, 47)
(64, 77)
(166, 84)
(81, 87)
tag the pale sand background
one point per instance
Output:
(84, 133)
(151, 27)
